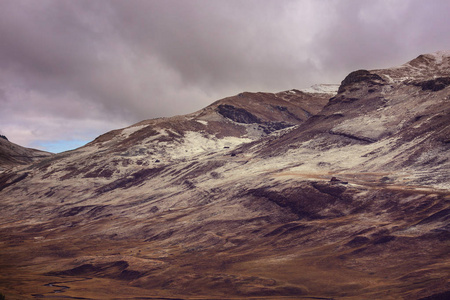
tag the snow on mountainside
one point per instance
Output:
(379, 124)
(430, 66)
(293, 195)
(322, 89)
(218, 128)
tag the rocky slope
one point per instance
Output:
(264, 196)
(12, 155)
(393, 120)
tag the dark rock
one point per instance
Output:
(238, 115)
(359, 76)
(434, 85)
(154, 209)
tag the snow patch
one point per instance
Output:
(202, 122)
(364, 126)
(195, 143)
(389, 78)
(322, 89)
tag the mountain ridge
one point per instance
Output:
(12, 155)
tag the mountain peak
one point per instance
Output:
(422, 68)
(440, 56)
(359, 76)
(439, 59)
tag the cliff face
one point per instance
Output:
(258, 195)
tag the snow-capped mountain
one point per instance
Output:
(293, 195)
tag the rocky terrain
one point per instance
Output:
(12, 155)
(308, 194)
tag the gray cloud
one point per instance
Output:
(74, 69)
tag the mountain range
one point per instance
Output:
(334, 192)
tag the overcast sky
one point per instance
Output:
(72, 70)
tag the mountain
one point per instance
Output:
(293, 195)
(14, 155)
(393, 120)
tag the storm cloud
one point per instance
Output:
(71, 70)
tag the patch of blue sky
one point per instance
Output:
(59, 146)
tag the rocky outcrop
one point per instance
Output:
(360, 76)
(238, 115)
(434, 85)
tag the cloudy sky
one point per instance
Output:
(72, 70)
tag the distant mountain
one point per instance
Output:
(293, 195)
(12, 155)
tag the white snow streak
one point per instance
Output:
(322, 89)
